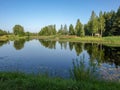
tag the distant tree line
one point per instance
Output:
(3, 32)
(48, 30)
(105, 24)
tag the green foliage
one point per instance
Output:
(48, 30)
(93, 23)
(80, 72)
(109, 20)
(71, 30)
(27, 34)
(63, 30)
(101, 23)
(87, 28)
(2, 32)
(116, 24)
(18, 30)
(60, 30)
(78, 28)
(82, 32)
(106, 24)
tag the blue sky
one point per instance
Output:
(34, 14)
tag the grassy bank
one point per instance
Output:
(16, 37)
(88, 39)
(4, 38)
(111, 40)
(20, 81)
(11, 37)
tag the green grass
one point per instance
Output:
(113, 40)
(20, 81)
(16, 37)
(11, 37)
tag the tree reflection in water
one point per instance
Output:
(97, 52)
(48, 44)
(19, 44)
(3, 43)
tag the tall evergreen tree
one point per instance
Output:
(71, 30)
(101, 23)
(61, 30)
(65, 30)
(109, 20)
(116, 24)
(87, 28)
(82, 31)
(93, 23)
(78, 28)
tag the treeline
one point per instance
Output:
(3, 32)
(51, 30)
(48, 30)
(17, 30)
(105, 24)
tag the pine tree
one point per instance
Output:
(71, 30)
(82, 32)
(116, 24)
(109, 20)
(78, 28)
(93, 23)
(101, 23)
(65, 31)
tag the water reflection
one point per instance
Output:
(48, 44)
(99, 52)
(3, 42)
(19, 44)
(63, 44)
(96, 52)
(112, 55)
(58, 61)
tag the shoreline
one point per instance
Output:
(111, 41)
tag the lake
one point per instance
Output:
(56, 57)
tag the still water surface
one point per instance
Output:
(55, 57)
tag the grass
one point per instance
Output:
(11, 37)
(21, 81)
(111, 40)
(16, 37)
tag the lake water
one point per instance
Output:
(56, 57)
